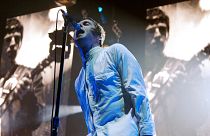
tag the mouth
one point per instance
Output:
(157, 41)
(79, 33)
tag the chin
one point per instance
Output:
(80, 43)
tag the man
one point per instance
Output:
(12, 43)
(157, 33)
(20, 109)
(177, 94)
(159, 69)
(107, 74)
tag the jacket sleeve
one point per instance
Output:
(82, 98)
(133, 83)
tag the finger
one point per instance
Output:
(1, 81)
(11, 83)
(28, 74)
(20, 82)
(1, 91)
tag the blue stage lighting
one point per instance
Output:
(100, 9)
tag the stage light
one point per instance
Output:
(204, 4)
(102, 16)
(100, 9)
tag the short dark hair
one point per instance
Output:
(99, 31)
(156, 15)
(14, 25)
(207, 49)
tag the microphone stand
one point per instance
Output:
(55, 120)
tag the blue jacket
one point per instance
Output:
(99, 87)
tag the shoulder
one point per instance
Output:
(116, 48)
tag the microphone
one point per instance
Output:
(69, 20)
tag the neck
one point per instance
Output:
(85, 50)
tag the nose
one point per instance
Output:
(12, 42)
(80, 24)
(157, 33)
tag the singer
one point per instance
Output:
(107, 75)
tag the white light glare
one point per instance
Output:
(204, 4)
(71, 33)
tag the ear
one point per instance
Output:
(99, 39)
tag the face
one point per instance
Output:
(85, 37)
(12, 41)
(157, 35)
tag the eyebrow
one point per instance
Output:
(87, 20)
(150, 26)
(12, 34)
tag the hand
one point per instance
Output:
(24, 85)
(10, 84)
